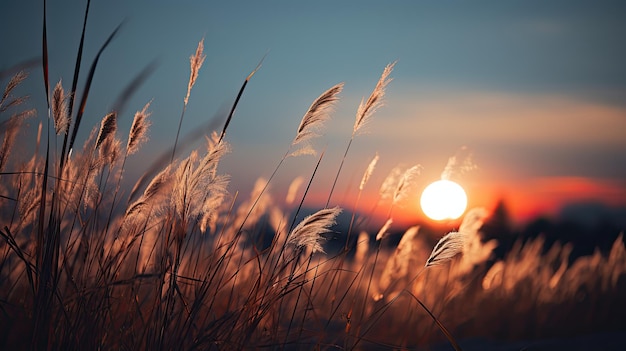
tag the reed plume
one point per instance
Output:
(403, 186)
(473, 220)
(158, 184)
(455, 242)
(458, 164)
(389, 185)
(196, 60)
(309, 233)
(398, 266)
(138, 130)
(363, 115)
(11, 127)
(197, 179)
(293, 190)
(408, 177)
(312, 120)
(16, 80)
(368, 171)
(60, 110)
(108, 127)
(383, 230)
(475, 251)
(110, 150)
(157, 188)
(446, 248)
(364, 179)
(376, 100)
(212, 202)
(362, 248)
(317, 115)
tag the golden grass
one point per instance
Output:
(184, 265)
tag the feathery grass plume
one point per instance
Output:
(12, 126)
(473, 220)
(376, 100)
(313, 119)
(158, 186)
(308, 233)
(362, 248)
(617, 257)
(446, 248)
(389, 185)
(317, 114)
(397, 267)
(197, 179)
(364, 179)
(293, 190)
(16, 80)
(59, 109)
(108, 127)
(14, 102)
(195, 62)
(110, 150)
(181, 189)
(212, 202)
(475, 251)
(493, 277)
(405, 183)
(368, 171)
(458, 164)
(212, 187)
(254, 207)
(364, 113)
(138, 130)
(38, 143)
(383, 230)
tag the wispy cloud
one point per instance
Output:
(492, 117)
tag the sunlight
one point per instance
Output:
(443, 199)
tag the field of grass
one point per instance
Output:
(183, 261)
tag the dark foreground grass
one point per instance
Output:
(179, 264)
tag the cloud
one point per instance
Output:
(500, 118)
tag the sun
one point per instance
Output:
(443, 199)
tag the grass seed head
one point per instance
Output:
(309, 233)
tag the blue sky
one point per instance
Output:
(536, 90)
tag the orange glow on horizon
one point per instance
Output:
(524, 199)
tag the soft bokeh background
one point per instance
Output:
(534, 91)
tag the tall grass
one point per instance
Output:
(181, 262)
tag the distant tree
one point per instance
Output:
(499, 226)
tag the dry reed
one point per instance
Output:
(195, 62)
(316, 115)
(309, 233)
(60, 109)
(374, 101)
(156, 281)
(138, 130)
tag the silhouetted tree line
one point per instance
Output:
(586, 229)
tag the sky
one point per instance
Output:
(532, 93)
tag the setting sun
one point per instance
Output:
(443, 199)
